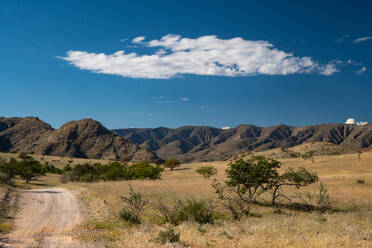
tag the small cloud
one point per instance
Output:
(123, 40)
(151, 114)
(362, 39)
(361, 71)
(350, 121)
(225, 128)
(343, 38)
(203, 107)
(185, 99)
(139, 39)
(164, 102)
(361, 123)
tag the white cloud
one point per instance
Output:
(139, 39)
(164, 102)
(206, 55)
(123, 40)
(350, 121)
(343, 38)
(361, 71)
(203, 107)
(151, 114)
(185, 99)
(362, 39)
(361, 123)
(225, 128)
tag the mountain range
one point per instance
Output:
(85, 138)
(202, 143)
(88, 138)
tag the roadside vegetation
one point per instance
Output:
(253, 201)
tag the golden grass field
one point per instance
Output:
(350, 227)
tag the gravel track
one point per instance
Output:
(46, 218)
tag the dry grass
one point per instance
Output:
(289, 229)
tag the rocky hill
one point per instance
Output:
(207, 143)
(85, 138)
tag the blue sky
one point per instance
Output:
(291, 62)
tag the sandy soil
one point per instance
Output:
(46, 218)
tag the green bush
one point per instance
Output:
(172, 163)
(135, 204)
(51, 169)
(143, 170)
(206, 171)
(199, 211)
(171, 212)
(168, 235)
(113, 171)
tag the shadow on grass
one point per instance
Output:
(302, 207)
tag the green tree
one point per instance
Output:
(206, 171)
(297, 178)
(309, 155)
(29, 169)
(172, 163)
(250, 178)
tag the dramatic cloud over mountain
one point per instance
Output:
(206, 55)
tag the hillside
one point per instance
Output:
(85, 138)
(201, 143)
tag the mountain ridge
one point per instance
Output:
(84, 138)
(203, 143)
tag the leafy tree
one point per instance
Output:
(309, 155)
(206, 171)
(298, 179)
(29, 169)
(172, 163)
(250, 178)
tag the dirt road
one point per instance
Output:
(46, 218)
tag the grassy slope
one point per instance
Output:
(290, 229)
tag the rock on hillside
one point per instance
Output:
(85, 138)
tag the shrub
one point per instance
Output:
(232, 202)
(360, 180)
(8, 171)
(206, 171)
(51, 169)
(82, 173)
(168, 235)
(24, 156)
(143, 170)
(113, 171)
(199, 211)
(172, 163)
(171, 213)
(135, 204)
(67, 168)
